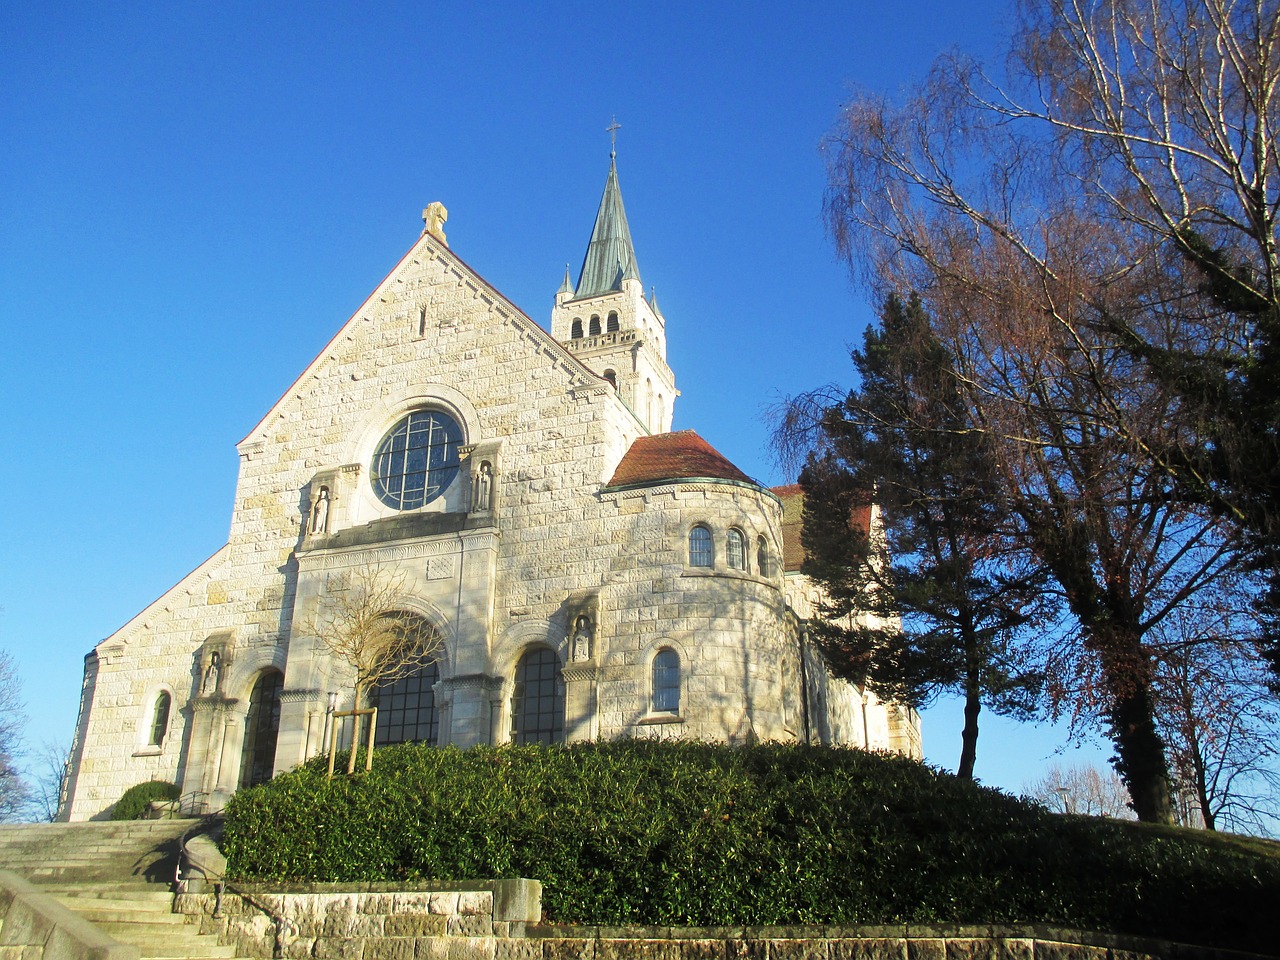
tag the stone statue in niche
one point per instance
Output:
(484, 488)
(212, 675)
(320, 513)
(580, 648)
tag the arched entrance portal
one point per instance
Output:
(261, 727)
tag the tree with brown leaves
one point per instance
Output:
(1061, 225)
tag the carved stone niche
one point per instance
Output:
(321, 504)
(214, 658)
(582, 621)
(482, 472)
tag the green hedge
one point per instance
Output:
(694, 833)
(134, 803)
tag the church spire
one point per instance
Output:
(610, 256)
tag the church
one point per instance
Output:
(518, 497)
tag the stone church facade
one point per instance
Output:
(586, 572)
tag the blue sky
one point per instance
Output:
(194, 197)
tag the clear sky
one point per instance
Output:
(195, 196)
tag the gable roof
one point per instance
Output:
(792, 497)
(427, 244)
(682, 455)
(610, 258)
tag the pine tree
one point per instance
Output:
(933, 599)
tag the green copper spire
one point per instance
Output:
(610, 256)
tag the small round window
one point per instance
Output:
(416, 460)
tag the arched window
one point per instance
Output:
(700, 553)
(762, 556)
(666, 681)
(648, 403)
(612, 325)
(612, 377)
(537, 702)
(576, 332)
(737, 549)
(407, 708)
(160, 719)
(261, 726)
(662, 412)
(416, 460)
(595, 326)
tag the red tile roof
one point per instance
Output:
(682, 455)
(792, 497)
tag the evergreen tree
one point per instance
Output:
(933, 598)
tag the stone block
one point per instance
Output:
(798, 949)
(747, 949)
(444, 903)
(339, 949)
(391, 948)
(297, 948)
(1018, 948)
(413, 901)
(416, 925)
(475, 903)
(869, 948)
(1055, 950)
(568, 948)
(926, 948)
(515, 949)
(471, 948)
(472, 925)
(979, 948)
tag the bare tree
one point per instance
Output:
(364, 623)
(1220, 721)
(13, 789)
(1083, 790)
(1047, 241)
(48, 781)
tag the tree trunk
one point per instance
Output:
(1140, 755)
(969, 736)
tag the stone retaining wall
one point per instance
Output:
(499, 920)
(387, 921)
(34, 926)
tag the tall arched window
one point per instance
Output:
(594, 329)
(666, 681)
(737, 549)
(407, 709)
(700, 553)
(762, 556)
(261, 727)
(160, 719)
(612, 325)
(576, 332)
(537, 702)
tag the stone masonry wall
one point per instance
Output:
(498, 920)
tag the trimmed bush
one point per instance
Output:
(133, 805)
(694, 833)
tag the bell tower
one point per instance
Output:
(606, 321)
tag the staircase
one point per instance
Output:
(118, 876)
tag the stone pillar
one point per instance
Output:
(295, 730)
(468, 703)
(228, 775)
(204, 746)
(581, 718)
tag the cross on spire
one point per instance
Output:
(612, 129)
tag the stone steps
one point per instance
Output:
(116, 876)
